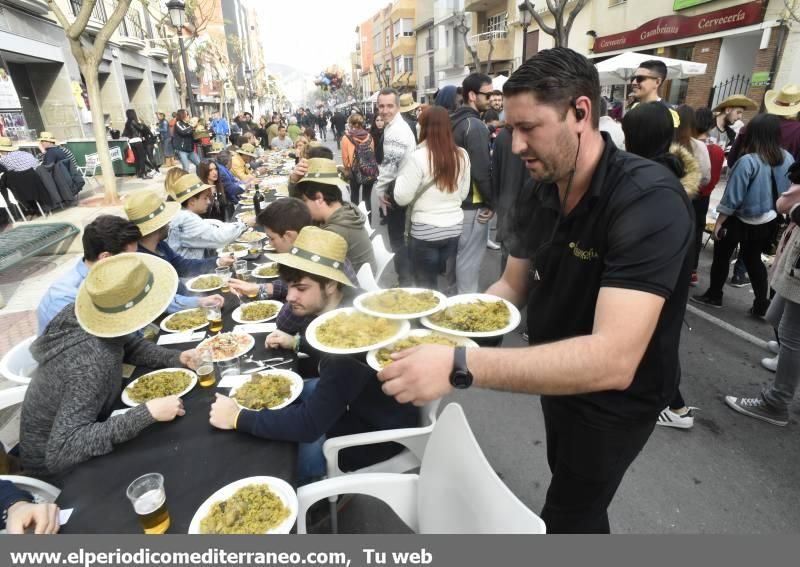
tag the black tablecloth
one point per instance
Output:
(195, 458)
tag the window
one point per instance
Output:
(398, 65)
(388, 42)
(376, 42)
(404, 27)
(447, 39)
(497, 23)
(408, 64)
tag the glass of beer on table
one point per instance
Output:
(254, 247)
(149, 501)
(204, 361)
(240, 266)
(225, 275)
(214, 316)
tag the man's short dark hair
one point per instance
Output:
(390, 91)
(241, 140)
(330, 193)
(108, 233)
(285, 214)
(558, 77)
(473, 83)
(656, 67)
(224, 157)
(319, 152)
(293, 275)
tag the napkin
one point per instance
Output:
(255, 328)
(176, 338)
(233, 380)
(64, 515)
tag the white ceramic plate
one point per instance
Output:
(236, 254)
(241, 215)
(244, 238)
(166, 320)
(513, 320)
(311, 334)
(280, 487)
(237, 313)
(359, 304)
(189, 284)
(297, 386)
(269, 248)
(255, 269)
(246, 346)
(129, 402)
(372, 356)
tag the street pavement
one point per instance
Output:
(729, 474)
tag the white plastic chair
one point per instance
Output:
(41, 491)
(456, 490)
(382, 256)
(18, 364)
(89, 171)
(366, 280)
(363, 208)
(10, 213)
(414, 439)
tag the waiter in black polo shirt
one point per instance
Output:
(599, 255)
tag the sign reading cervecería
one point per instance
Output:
(676, 27)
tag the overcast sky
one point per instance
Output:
(312, 34)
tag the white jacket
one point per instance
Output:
(436, 206)
(190, 235)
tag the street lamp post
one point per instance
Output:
(248, 82)
(177, 12)
(525, 16)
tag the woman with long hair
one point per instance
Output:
(356, 136)
(137, 134)
(300, 148)
(432, 183)
(219, 208)
(183, 140)
(376, 131)
(649, 131)
(747, 215)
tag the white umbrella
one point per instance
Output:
(619, 70)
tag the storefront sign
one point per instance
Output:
(760, 79)
(683, 4)
(676, 27)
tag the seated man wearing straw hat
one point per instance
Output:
(347, 398)
(52, 152)
(66, 416)
(240, 162)
(785, 104)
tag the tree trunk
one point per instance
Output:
(89, 70)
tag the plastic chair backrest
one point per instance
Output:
(458, 490)
(41, 491)
(11, 198)
(366, 280)
(382, 256)
(92, 160)
(11, 397)
(427, 414)
(18, 364)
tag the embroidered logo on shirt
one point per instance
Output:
(585, 255)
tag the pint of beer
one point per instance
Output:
(149, 500)
(214, 316)
(225, 275)
(205, 367)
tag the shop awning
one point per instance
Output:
(619, 70)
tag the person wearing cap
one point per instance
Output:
(13, 159)
(321, 190)
(104, 237)
(785, 104)
(66, 416)
(190, 235)
(726, 114)
(240, 160)
(347, 398)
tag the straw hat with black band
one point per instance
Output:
(785, 102)
(6, 145)
(323, 170)
(407, 103)
(187, 187)
(47, 137)
(319, 252)
(124, 293)
(736, 101)
(247, 150)
(148, 211)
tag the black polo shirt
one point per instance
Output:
(632, 229)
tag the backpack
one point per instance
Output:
(365, 167)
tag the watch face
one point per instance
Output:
(461, 379)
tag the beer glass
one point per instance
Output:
(214, 316)
(225, 275)
(254, 247)
(205, 367)
(229, 367)
(149, 500)
(240, 266)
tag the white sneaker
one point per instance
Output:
(770, 364)
(773, 347)
(492, 245)
(669, 418)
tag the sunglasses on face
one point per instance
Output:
(641, 78)
(487, 95)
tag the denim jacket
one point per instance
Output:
(748, 194)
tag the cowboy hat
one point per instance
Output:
(216, 148)
(736, 101)
(407, 103)
(248, 150)
(148, 211)
(124, 293)
(6, 145)
(47, 137)
(319, 252)
(187, 187)
(785, 102)
(322, 170)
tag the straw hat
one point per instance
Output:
(47, 137)
(317, 251)
(407, 103)
(6, 145)
(124, 293)
(148, 211)
(247, 150)
(322, 170)
(736, 101)
(785, 102)
(216, 148)
(187, 187)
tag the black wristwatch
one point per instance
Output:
(460, 377)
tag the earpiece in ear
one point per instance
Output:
(580, 114)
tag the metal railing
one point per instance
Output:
(737, 84)
(495, 35)
(132, 26)
(98, 12)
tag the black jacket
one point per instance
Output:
(471, 133)
(183, 139)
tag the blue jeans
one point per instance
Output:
(429, 258)
(310, 459)
(187, 157)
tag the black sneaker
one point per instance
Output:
(705, 299)
(759, 409)
(737, 281)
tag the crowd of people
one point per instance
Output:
(600, 219)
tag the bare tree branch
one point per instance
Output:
(489, 56)
(462, 24)
(62, 19)
(791, 9)
(110, 27)
(539, 20)
(574, 14)
(82, 20)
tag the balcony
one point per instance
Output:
(38, 7)
(131, 32)
(98, 18)
(404, 45)
(503, 46)
(404, 80)
(483, 5)
(158, 51)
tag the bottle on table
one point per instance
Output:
(257, 198)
